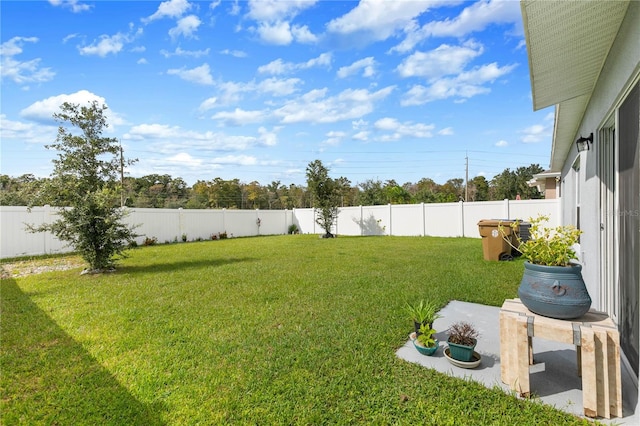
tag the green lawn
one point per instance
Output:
(271, 330)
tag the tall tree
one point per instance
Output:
(325, 195)
(86, 179)
(478, 189)
(371, 193)
(509, 184)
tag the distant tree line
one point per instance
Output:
(165, 191)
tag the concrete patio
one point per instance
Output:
(553, 376)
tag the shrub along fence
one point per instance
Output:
(174, 225)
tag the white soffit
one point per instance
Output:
(568, 117)
(567, 43)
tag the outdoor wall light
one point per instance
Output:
(583, 143)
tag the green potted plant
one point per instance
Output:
(424, 340)
(552, 283)
(462, 341)
(422, 312)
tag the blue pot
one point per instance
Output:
(424, 350)
(461, 352)
(554, 291)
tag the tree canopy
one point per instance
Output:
(165, 191)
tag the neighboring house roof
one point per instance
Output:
(568, 43)
(540, 179)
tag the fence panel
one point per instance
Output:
(527, 209)
(167, 225)
(305, 220)
(17, 241)
(443, 220)
(406, 219)
(350, 221)
(161, 224)
(477, 211)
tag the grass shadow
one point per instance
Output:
(49, 378)
(166, 265)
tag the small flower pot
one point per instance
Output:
(461, 352)
(425, 350)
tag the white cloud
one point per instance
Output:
(476, 17)
(239, 117)
(361, 136)
(273, 10)
(378, 20)
(367, 65)
(185, 53)
(169, 9)
(235, 53)
(398, 130)
(463, 86)
(444, 60)
(502, 144)
(274, 21)
(109, 44)
(185, 27)
(316, 107)
(172, 140)
(183, 159)
(302, 34)
(22, 72)
(334, 138)
(21, 132)
(278, 66)
(279, 87)
(74, 5)
(539, 132)
(42, 111)
(198, 75)
(268, 138)
(275, 33)
(208, 104)
(447, 131)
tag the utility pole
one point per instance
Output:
(466, 183)
(121, 175)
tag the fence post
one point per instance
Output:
(390, 220)
(424, 220)
(46, 236)
(461, 215)
(361, 221)
(506, 209)
(180, 223)
(224, 223)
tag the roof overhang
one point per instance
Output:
(539, 180)
(567, 44)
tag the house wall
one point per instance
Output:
(550, 188)
(621, 67)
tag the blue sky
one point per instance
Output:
(256, 90)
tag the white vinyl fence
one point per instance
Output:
(168, 225)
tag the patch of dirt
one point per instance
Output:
(23, 268)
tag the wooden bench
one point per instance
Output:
(597, 344)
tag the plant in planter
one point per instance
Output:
(552, 285)
(462, 341)
(424, 340)
(422, 313)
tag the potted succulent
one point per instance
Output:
(462, 341)
(552, 283)
(422, 313)
(424, 340)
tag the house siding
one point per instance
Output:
(621, 68)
